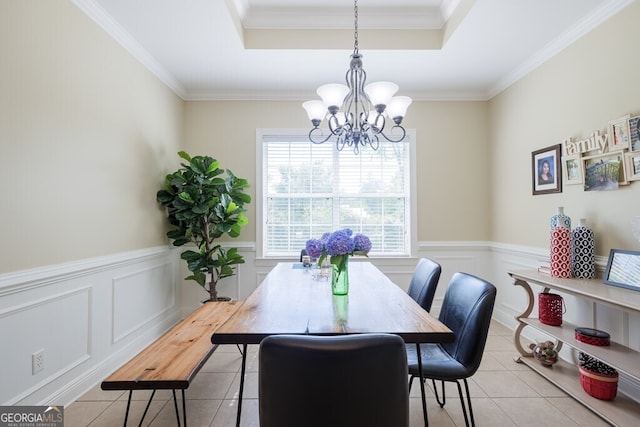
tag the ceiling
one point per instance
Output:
(285, 49)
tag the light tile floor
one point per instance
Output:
(503, 393)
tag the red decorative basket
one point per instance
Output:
(603, 387)
(592, 336)
(550, 309)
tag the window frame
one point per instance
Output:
(265, 133)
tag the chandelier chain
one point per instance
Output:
(355, 25)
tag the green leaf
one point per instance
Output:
(184, 155)
(181, 241)
(213, 167)
(201, 209)
(190, 255)
(175, 233)
(199, 277)
(186, 197)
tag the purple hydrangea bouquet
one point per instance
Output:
(338, 246)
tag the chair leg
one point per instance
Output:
(466, 386)
(464, 410)
(435, 390)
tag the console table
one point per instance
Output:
(621, 411)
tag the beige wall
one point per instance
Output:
(452, 153)
(87, 136)
(575, 93)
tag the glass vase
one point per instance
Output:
(341, 310)
(340, 277)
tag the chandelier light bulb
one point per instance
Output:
(333, 94)
(380, 93)
(397, 107)
(315, 110)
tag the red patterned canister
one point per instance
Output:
(560, 256)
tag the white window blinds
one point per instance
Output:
(309, 189)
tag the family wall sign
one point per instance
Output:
(604, 161)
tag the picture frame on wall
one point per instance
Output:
(546, 170)
(572, 169)
(619, 134)
(623, 269)
(633, 166)
(634, 133)
(604, 171)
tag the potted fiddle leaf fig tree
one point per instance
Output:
(205, 203)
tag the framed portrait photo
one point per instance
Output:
(634, 132)
(604, 171)
(633, 166)
(623, 269)
(619, 135)
(546, 170)
(572, 169)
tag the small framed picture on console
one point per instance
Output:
(623, 269)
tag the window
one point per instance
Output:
(308, 189)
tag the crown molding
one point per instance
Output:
(94, 11)
(606, 11)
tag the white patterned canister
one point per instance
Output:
(560, 219)
(583, 258)
(560, 245)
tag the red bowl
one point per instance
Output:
(603, 387)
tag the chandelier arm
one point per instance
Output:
(334, 125)
(318, 141)
(374, 141)
(341, 142)
(375, 127)
(349, 99)
(395, 140)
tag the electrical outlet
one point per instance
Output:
(37, 361)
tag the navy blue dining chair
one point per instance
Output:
(424, 282)
(338, 381)
(466, 310)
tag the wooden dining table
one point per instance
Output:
(296, 300)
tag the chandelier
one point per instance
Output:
(365, 107)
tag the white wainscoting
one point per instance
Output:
(89, 317)
(92, 316)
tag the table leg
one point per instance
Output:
(242, 371)
(424, 399)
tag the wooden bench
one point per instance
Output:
(174, 359)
